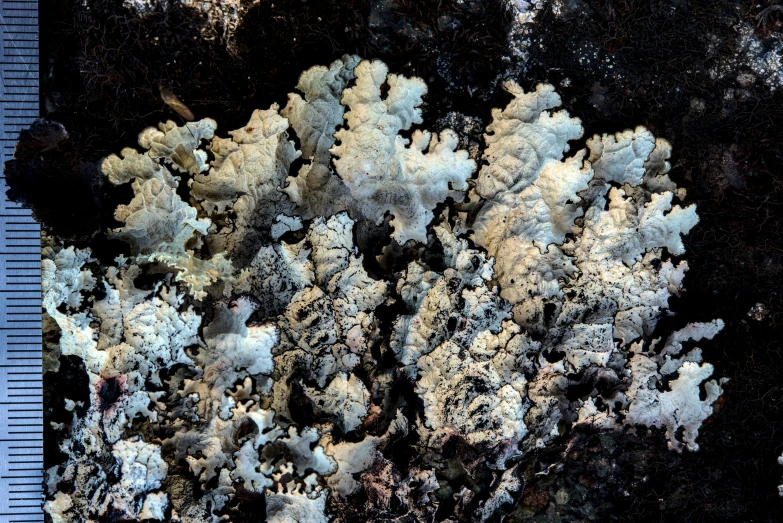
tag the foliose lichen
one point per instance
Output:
(272, 355)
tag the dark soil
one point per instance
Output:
(101, 72)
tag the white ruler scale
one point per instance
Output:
(21, 409)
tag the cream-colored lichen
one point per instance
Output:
(385, 172)
(330, 343)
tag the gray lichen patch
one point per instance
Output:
(248, 346)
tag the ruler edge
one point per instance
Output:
(28, 98)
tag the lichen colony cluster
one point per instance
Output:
(323, 287)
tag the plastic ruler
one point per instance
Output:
(21, 409)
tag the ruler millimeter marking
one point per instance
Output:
(21, 410)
